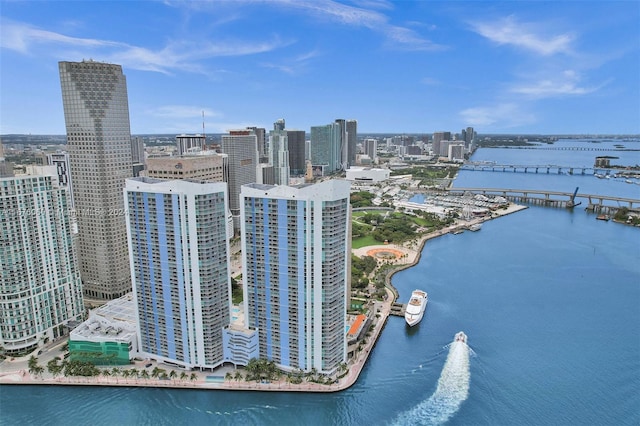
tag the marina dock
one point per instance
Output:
(398, 309)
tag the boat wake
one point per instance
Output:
(452, 390)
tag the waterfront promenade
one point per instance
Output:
(14, 371)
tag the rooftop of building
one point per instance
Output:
(116, 320)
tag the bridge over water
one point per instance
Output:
(543, 169)
(570, 148)
(597, 203)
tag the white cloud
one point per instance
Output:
(399, 37)
(21, 38)
(176, 55)
(364, 16)
(374, 4)
(508, 31)
(502, 115)
(280, 67)
(561, 84)
(294, 65)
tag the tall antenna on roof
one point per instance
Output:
(204, 135)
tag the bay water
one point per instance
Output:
(549, 299)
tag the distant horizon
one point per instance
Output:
(363, 134)
(500, 67)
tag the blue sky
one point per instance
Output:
(406, 66)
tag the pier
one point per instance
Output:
(596, 203)
(398, 309)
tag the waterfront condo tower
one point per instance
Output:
(40, 286)
(295, 254)
(179, 259)
(96, 113)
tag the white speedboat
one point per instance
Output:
(416, 306)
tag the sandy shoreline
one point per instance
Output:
(15, 371)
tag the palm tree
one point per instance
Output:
(33, 363)
(237, 376)
(38, 370)
(134, 373)
(53, 367)
(115, 372)
(155, 372)
(184, 376)
(193, 377)
(228, 376)
(173, 374)
(106, 372)
(144, 374)
(253, 369)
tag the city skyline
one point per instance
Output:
(415, 67)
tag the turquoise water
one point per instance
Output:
(549, 300)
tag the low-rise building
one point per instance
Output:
(108, 336)
(367, 174)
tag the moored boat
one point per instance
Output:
(416, 306)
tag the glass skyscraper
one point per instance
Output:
(326, 147)
(295, 254)
(96, 113)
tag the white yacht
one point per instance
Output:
(461, 337)
(416, 306)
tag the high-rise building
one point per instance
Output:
(242, 148)
(295, 250)
(438, 137)
(179, 254)
(63, 170)
(6, 168)
(96, 113)
(261, 137)
(186, 144)
(40, 285)
(279, 124)
(137, 150)
(207, 166)
(351, 142)
(470, 135)
(296, 139)
(279, 156)
(371, 148)
(455, 151)
(326, 147)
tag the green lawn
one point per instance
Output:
(364, 241)
(422, 222)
